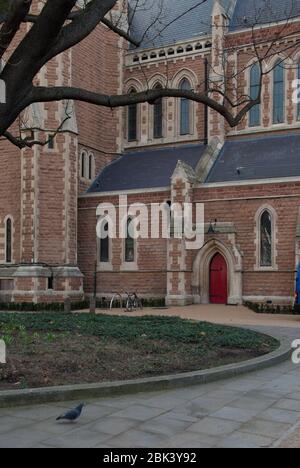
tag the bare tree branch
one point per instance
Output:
(81, 26)
(120, 32)
(62, 24)
(28, 142)
(29, 55)
(16, 15)
(29, 18)
(43, 94)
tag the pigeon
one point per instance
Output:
(72, 415)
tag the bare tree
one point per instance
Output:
(60, 25)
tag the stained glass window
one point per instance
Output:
(104, 244)
(158, 116)
(278, 93)
(83, 155)
(8, 247)
(129, 244)
(298, 106)
(266, 239)
(132, 120)
(254, 118)
(91, 162)
(185, 105)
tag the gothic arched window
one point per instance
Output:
(185, 109)
(82, 163)
(278, 93)
(254, 117)
(8, 240)
(298, 105)
(91, 166)
(132, 120)
(129, 243)
(158, 116)
(104, 243)
(266, 239)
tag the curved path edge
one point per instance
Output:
(12, 398)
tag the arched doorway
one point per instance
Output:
(218, 280)
(201, 272)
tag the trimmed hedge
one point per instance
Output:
(59, 306)
(260, 308)
(41, 307)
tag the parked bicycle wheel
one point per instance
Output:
(116, 299)
(138, 303)
(129, 305)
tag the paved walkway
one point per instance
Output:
(256, 410)
(230, 315)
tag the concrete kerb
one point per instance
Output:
(12, 398)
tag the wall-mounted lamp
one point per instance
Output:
(212, 227)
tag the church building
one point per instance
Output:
(170, 151)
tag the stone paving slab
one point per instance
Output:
(265, 428)
(215, 427)
(278, 415)
(288, 404)
(241, 415)
(240, 439)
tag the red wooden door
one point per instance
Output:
(218, 280)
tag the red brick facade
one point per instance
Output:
(54, 221)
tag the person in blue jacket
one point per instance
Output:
(297, 292)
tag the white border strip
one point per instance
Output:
(233, 183)
(257, 27)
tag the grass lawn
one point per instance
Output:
(47, 349)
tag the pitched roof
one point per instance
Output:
(169, 21)
(151, 168)
(258, 158)
(158, 23)
(251, 12)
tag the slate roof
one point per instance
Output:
(151, 168)
(259, 158)
(169, 21)
(192, 20)
(251, 12)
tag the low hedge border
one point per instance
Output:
(59, 306)
(272, 309)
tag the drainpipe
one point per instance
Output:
(95, 281)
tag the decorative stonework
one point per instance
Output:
(178, 293)
(217, 71)
(208, 159)
(198, 46)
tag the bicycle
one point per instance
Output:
(133, 302)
